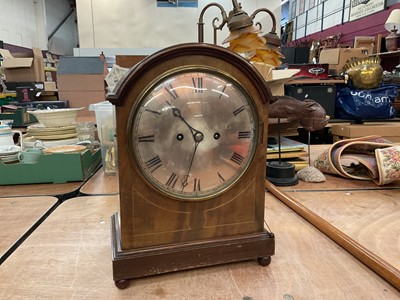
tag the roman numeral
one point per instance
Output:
(238, 111)
(172, 180)
(222, 179)
(243, 134)
(222, 92)
(146, 138)
(237, 158)
(196, 185)
(152, 111)
(199, 87)
(172, 92)
(153, 163)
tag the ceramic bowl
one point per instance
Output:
(56, 117)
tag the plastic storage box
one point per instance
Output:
(52, 168)
(106, 125)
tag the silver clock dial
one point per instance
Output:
(194, 134)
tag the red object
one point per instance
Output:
(311, 70)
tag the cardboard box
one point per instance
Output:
(50, 86)
(23, 67)
(367, 42)
(279, 78)
(390, 131)
(128, 61)
(338, 57)
(275, 78)
(393, 139)
(52, 168)
(81, 80)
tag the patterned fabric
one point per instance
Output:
(388, 164)
(365, 158)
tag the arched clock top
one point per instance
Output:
(192, 130)
(186, 52)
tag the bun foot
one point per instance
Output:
(122, 284)
(264, 261)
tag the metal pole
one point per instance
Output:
(61, 24)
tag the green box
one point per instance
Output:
(52, 168)
(7, 98)
(19, 115)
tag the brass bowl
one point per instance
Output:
(364, 73)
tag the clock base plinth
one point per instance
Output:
(135, 263)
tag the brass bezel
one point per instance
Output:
(133, 113)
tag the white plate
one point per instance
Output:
(46, 133)
(65, 149)
(56, 137)
(42, 128)
(29, 142)
(9, 158)
(8, 150)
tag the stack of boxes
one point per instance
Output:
(338, 57)
(23, 67)
(389, 131)
(25, 80)
(81, 80)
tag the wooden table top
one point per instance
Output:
(40, 189)
(17, 216)
(101, 184)
(69, 256)
(362, 210)
(371, 217)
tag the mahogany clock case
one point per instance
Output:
(156, 232)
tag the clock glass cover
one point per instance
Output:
(193, 133)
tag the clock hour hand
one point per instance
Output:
(197, 135)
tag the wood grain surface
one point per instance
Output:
(361, 210)
(40, 189)
(69, 257)
(101, 184)
(18, 215)
(372, 218)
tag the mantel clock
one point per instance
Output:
(192, 133)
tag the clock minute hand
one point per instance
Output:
(185, 178)
(197, 137)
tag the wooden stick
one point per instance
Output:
(372, 261)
